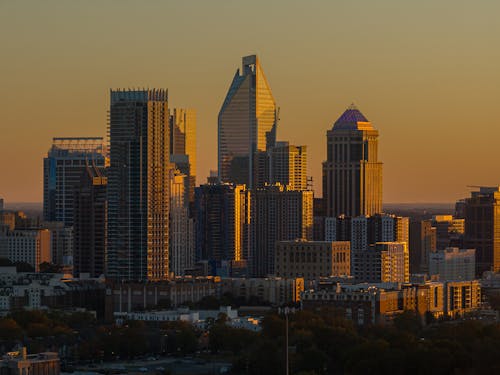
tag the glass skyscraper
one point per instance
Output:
(138, 185)
(247, 123)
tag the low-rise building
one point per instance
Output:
(274, 290)
(377, 303)
(453, 263)
(312, 259)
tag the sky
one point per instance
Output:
(425, 73)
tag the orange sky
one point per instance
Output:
(426, 73)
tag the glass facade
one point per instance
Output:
(247, 123)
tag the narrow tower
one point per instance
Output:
(352, 174)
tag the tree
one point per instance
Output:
(10, 330)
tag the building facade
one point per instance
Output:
(30, 246)
(138, 185)
(62, 169)
(222, 219)
(453, 263)
(183, 142)
(352, 174)
(422, 245)
(288, 165)
(383, 262)
(482, 228)
(89, 223)
(277, 214)
(247, 123)
(312, 260)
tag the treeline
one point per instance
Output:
(321, 342)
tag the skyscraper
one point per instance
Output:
(288, 165)
(352, 174)
(482, 228)
(247, 123)
(422, 245)
(183, 142)
(277, 214)
(222, 223)
(89, 223)
(181, 229)
(138, 185)
(62, 169)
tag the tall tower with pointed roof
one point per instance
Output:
(352, 174)
(247, 123)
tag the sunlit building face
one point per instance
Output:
(247, 123)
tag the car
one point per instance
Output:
(142, 369)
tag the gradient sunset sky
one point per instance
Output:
(425, 73)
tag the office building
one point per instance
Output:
(277, 214)
(482, 228)
(89, 223)
(422, 244)
(288, 165)
(181, 226)
(383, 262)
(312, 260)
(449, 231)
(247, 123)
(61, 242)
(453, 264)
(28, 246)
(183, 143)
(352, 174)
(138, 185)
(62, 169)
(222, 224)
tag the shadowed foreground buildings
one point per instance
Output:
(138, 185)
(247, 123)
(352, 174)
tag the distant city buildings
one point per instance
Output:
(422, 244)
(247, 123)
(138, 185)
(383, 262)
(352, 173)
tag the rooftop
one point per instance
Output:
(352, 119)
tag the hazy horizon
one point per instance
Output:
(424, 73)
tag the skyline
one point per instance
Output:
(431, 86)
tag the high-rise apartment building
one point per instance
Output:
(222, 223)
(181, 226)
(384, 262)
(138, 185)
(62, 169)
(288, 165)
(89, 223)
(482, 228)
(352, 174)
(422, 244)
(183, 142)
(277, 214)
(449, 231)
(247, 123)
